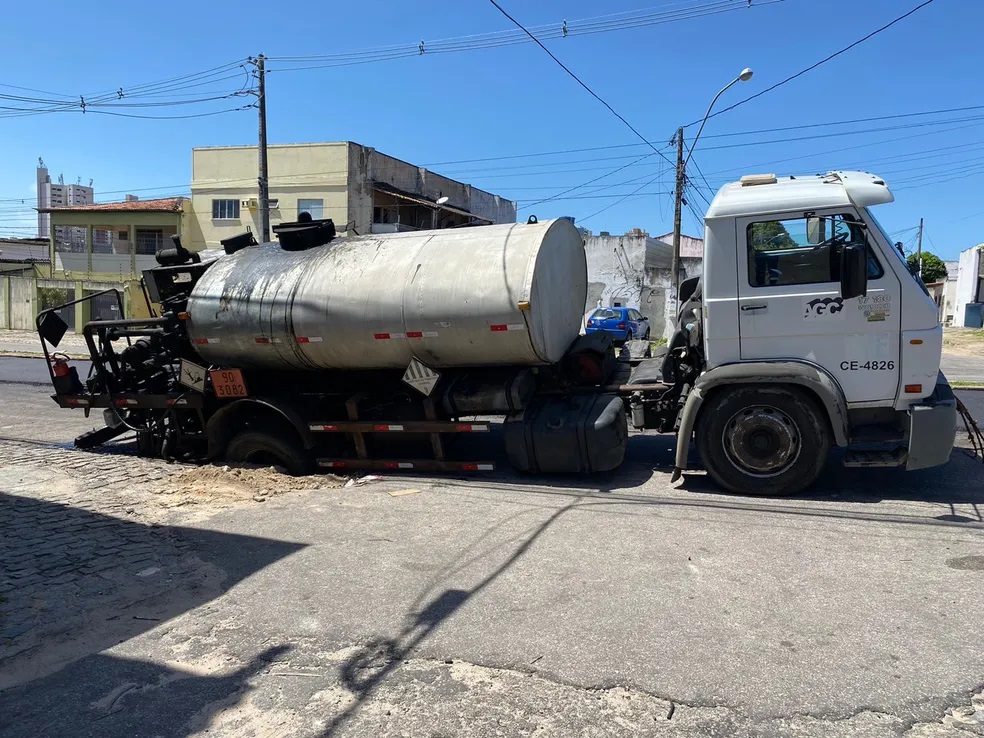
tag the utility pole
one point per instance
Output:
(263, 180)
(681, 181)
(919, 248)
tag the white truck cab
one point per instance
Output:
(803, 288)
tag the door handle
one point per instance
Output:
(754, 307)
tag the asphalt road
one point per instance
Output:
(963, 368)
(563, 603)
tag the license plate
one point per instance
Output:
(228, 383)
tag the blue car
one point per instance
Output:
(623, 323)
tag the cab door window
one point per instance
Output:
(780, 252)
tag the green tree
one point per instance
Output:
(933, 268)
(771, 236)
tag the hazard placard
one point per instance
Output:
(191, 375)
(421, 377)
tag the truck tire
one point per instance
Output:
(256, 447)
(763, 441)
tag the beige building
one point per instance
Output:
(361, 190)
(120, 241)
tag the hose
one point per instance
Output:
(974, 432)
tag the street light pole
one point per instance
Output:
(681, 182)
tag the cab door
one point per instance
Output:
(790, 306)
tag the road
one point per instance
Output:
(497, 605)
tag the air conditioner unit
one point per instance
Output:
(250, 204)
(274, 203)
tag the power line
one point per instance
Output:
(131, 97)
(496, 39)
(577, 79)
(817, 64)
(635, 193)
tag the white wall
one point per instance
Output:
(4, 291)
(23, 308)
(967, 279)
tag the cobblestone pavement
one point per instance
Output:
(79, 539)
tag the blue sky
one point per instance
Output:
(439, 110)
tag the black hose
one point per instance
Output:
(974, 432)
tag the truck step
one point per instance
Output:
(876, 458)
(406, 465)
(99, 436)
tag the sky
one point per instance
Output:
(489, 114)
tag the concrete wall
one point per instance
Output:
(634, 271)
(4, 300)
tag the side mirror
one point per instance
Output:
(854, 271)
(816, 230)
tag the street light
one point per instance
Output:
(681, 181)
(746, 74)
(436, 212)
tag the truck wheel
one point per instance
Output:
(255, 447)
(763, 441)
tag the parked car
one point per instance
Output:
(622, 322)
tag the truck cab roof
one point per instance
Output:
(766, 193)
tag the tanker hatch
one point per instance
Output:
(304, 234)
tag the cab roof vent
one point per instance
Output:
(750, 180)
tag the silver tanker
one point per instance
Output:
(496, 295)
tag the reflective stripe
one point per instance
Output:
(398, 465)
(507, 327)
(323, 427)
(408, 334)
(383, 428)
(309, 339)
(477, 467)
(264, 339)
(469, 428)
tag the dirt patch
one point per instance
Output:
(964, 341)
(241, 483)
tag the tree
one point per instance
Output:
(771, 236)
(933, 268)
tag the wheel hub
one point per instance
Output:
(761, 441)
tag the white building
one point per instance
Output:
(949, 306)
(968, 306)
(60, 195)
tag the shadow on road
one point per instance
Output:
(368, 669)
(106, 695)
(74, 583)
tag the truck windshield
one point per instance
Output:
(873, 221)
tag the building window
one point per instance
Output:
(780, 254)
(316, 208)
(148, 242)
(225, 209)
